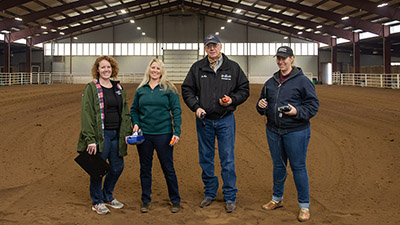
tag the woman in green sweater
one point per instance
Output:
(156, 99)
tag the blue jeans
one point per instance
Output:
(110, 152)
(292, 146)
(224, 129)
(165, 155)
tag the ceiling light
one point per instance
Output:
(62, 33)
(132, 21)
(217, 33)
(382, 5)
(345, 18)
(5, 31)
(357, 31)
(300, 32)
(43, 27)
(285, 37)
(17, 18)
(75, 38)
(229, 20)
(138, 28)
(319, 26)
(143, 33)
(333, 36)
(123, 11)
(222, 28)
(238, 10)
(45, 32)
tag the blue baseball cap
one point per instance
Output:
(211, 38)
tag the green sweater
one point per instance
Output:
(153, 110)
(91, 121)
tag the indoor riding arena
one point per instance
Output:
(353, 163)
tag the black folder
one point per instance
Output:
(94, 165)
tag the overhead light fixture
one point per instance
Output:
(45, 32)
(300, 32)
(217, 33)
(357, 31)
(319, 26)
(138, 28)
(238, 10)
(286, 37)
(123, 11)
(222, 28)
(143, 33)
(132, 21)
(75, 38)
(382, 5)
(17, 18)
(62, 33)
(333, 36)
(374, 52)
(229, 20)
(43, 27)
(5, 31)
(345, 18)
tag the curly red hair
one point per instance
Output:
(111, 60)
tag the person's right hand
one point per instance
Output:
(199, 111)
(136, 128)
(91, 149)
(262, 103)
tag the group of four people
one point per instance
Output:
(213, 88)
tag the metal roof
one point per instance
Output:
(41, 21)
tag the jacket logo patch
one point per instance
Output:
(203, 76)
(118, 92)
(226, 77)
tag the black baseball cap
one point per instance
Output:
(284, 51)
(211, 38)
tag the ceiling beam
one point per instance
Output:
(7, 24)
(305, 35)
(386, 11)
(59, 23)
(338, 32)
(356, 23)
(52, 36)
(6, 4)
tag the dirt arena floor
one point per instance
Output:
(353, 163)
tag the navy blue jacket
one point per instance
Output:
(298, 91)
(203, 87)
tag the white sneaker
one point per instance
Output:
(100, 208)
(115, 204)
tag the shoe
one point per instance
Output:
(145, 207)
(304, 215)
(272, 205)
(206, 202)
(100, 208)
(230, 207)
(114, 204)
(176, 207)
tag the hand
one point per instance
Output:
(225, 104)
(262, 103)
(174, 140)
(292, 112)
(91, 149)
(136, 129)
(199, 111)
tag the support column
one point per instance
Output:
(28, 60)
(356, 53)
(334, 55)
(7, 53)
(387, 44)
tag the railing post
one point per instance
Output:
(9, 80)
(366, 81)
(381, 79)
(341, 78)
(398, 81)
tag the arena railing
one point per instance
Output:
(367, 80)
(8, 79)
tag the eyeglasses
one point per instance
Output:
(211, 45)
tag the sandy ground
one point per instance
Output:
(353, 163)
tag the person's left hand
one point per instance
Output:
(225, 104)
(174, 140)
(292, 112)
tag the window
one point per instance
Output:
(124, 49)
(98, 49)
(92, 50)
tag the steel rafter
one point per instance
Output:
(305, 35)
(59, 23)
(387, 11)
(11, 22)
(45, 38)
(6, 4)
(306, 23)
(356, 23)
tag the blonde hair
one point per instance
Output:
(111, 60)
(164, 82)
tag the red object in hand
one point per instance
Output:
(226, 99)
(172, 141)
